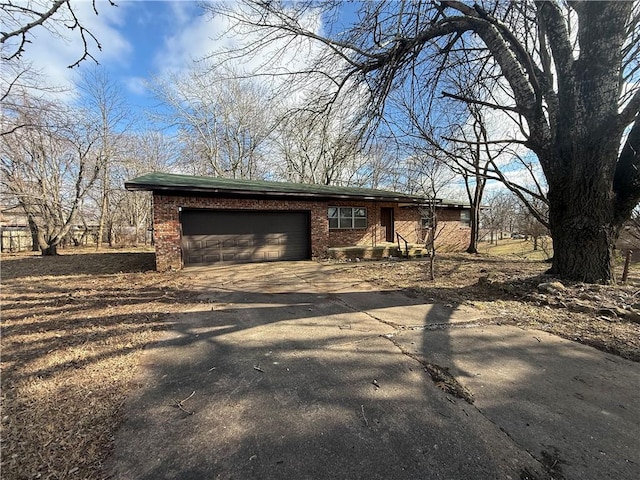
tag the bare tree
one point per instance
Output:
(428, 175)
(529, 225)
(221, 120)
(467, 154)
(321, 152)
(375, 169)
(500, 215)
(571, 70)
(472, 164)
(49, 167)
(132, 211)
(478, 160)
(20, 79)
(104, 103)
(20, 19)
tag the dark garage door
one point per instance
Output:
(211, 236)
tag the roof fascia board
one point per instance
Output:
(174, 190)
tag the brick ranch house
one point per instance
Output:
(205, 220)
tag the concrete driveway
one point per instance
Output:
(293, 371)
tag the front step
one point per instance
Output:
(379, 252)
(417, 252)
(363, 253)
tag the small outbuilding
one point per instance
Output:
(207, 220)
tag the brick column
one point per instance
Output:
(166, 233)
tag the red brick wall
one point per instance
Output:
(452, 236)
(407, 223)
(166, 222)
(167, 234)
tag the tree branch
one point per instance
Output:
(41, 17)
(626, 181)
(481, 102)
(630, 111)
(555, 28)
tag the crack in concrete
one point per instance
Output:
(446, 382)
(440, 376)
(442, 326)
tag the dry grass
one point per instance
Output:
(506, 289)
(73, 328)
(520, 248)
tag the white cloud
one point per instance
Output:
(192, 38)
(198, 35)
(136, 85)
(52, 50)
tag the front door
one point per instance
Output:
(386, 221)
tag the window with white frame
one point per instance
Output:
(427, 220)
(347, 217)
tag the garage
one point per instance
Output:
(240, 236)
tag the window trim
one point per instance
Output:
(427, 220)
(352, 218)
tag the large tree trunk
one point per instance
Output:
(48, 243)
(474, 217)
(582, 246)
(587, 200)
(582, 222)
(47, 246)
(585, 258)
(33, 228)
(50, 250)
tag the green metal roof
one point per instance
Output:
(169, 182)
(454, 203)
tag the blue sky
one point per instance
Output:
(140, 39)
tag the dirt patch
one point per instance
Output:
(73, 328)
(513, 291)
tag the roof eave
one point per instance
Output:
(266, 193)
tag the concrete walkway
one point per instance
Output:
(290, 371)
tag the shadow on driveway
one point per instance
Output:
(291, 371)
